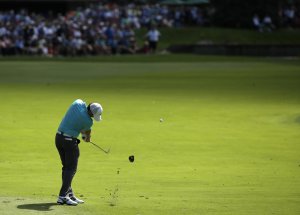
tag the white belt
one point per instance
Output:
(64, 134)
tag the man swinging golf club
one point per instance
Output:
(78, 119)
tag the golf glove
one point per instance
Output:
(86, 138)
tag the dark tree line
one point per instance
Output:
(239, 13)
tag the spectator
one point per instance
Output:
(196, 18)
(6, 46)
(42, 46)
(144, 49)
(177, 17)
(100, 45)
(19, 46)
(111, 36)
(289, 16)
(268, 24)
(256, 23)
(153, 36)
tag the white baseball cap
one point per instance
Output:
(96, 110)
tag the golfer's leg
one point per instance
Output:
(76, 155)
(59, 141)
(70, 190)
(59, 146)
(71, 160)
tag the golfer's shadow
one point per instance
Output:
(37, 206)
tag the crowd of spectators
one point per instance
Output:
(289, 17)
(108, 28)
(93, 30)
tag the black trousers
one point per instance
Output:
(153, 45)
(69, 153)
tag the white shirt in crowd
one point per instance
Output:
(256, 21)
(153, 35)
(267, 20)
(3, 31)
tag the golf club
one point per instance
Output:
(100, 147)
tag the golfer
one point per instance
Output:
(78, 119)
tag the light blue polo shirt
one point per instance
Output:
(76, 119)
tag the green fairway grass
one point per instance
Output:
(229, 142)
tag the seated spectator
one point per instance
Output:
(144, 49)
(101, 46)
(42, 46)
(3, 30)
(32, 47)
(19, 46)
(132, 45)
(2, 45)
(6, 46)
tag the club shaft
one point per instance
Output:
(99, 147)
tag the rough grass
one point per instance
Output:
(229, 142)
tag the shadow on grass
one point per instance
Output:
(297, 120)
(37, 206)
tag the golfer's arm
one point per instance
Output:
(88, 132)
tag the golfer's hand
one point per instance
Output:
(86, 138)
(86, 135)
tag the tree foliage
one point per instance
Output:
(239, 13)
